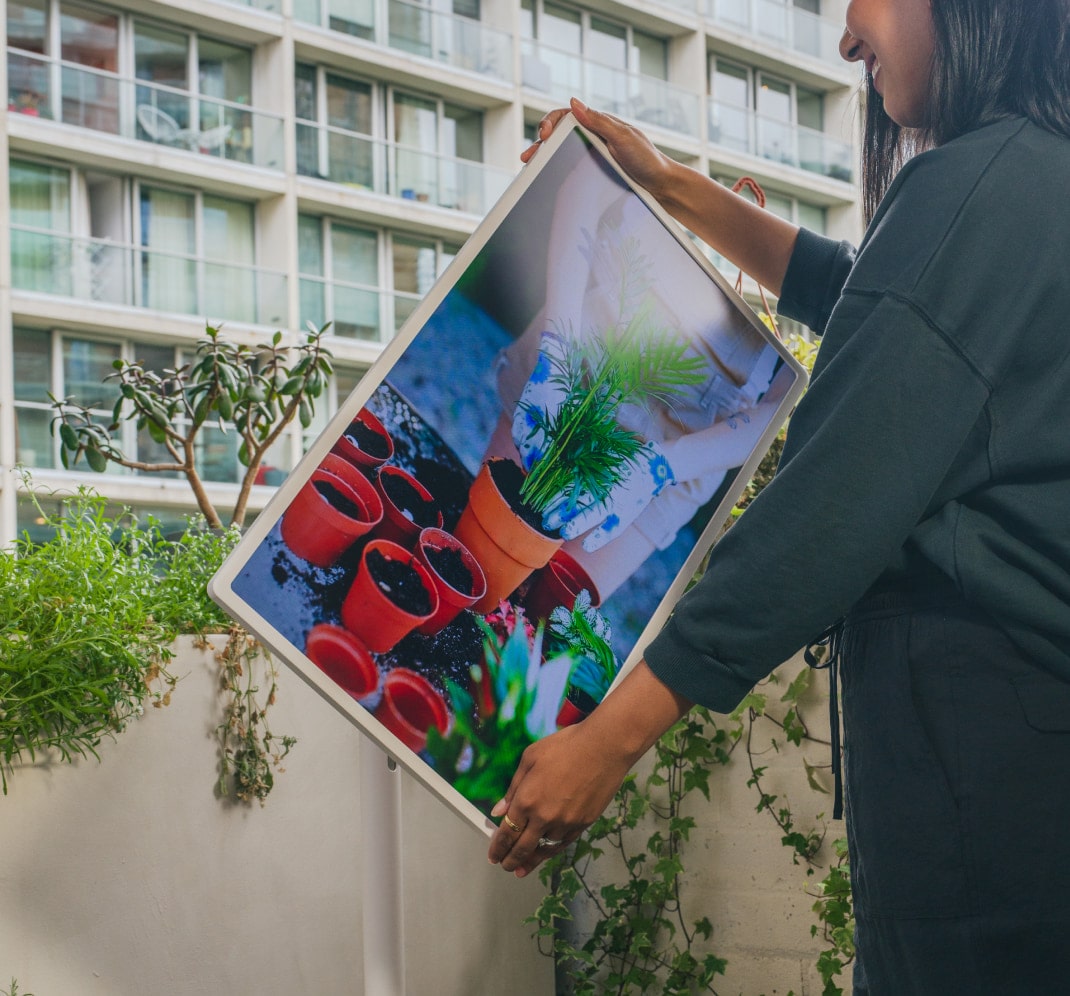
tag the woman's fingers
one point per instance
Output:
(543, 132)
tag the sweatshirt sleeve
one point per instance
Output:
(816, 273)
(861, 467)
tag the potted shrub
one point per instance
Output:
(584, 453)
(585, 633)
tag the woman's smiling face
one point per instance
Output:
(894, 39)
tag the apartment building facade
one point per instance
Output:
(277, 163)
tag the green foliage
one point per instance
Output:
(587, 450)
(256, 392)
(249, 752)
(585, 633)
(835, 914)
(14, 990)
(83, 644)
(643, 941)
(512, 701)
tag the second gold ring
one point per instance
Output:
(511, 825)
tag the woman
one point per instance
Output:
(922, 499)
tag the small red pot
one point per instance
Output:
(410, 706)
(451, 600)
(396, 525)
(343, 658)
(370, 614)
(335, 507)
(366, 457)
(559, 583)
(569, 714)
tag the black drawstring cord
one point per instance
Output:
(831, 639)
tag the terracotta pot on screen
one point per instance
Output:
(335, 507)
(366, 443)
(559, 583)
(410, 706)
(343, 658)
(375, 609)
(402, 524)
(507, 548)
(431, 546)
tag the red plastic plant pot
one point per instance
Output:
(366, 443)
(417, 510)
(375, 608)
(559, 583)
(335, 507)
(410, 705)
(460, 586)
(343, 658)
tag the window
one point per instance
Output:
(339, 267)
(41, 246)
(752, 111)
(344, 281)
(89, 40)
(334, 127)
(432, 140)
(27, 71)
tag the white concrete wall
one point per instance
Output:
(130, 878)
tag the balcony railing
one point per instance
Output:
(631, 95)
(397, 170)
(739, 128)
(107, 102)
(135, 276)
(416, 28)
(782, 24)
(356, 311)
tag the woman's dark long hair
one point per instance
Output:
(992, 59)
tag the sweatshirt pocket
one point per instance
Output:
(1045, 702)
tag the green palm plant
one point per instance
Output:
(587, 451)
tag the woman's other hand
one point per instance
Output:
(630, 147)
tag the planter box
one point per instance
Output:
(130, 876)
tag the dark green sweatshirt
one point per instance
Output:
(934, 439)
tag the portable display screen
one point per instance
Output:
(515, 495)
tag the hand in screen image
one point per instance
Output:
(709, 392)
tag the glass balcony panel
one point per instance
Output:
(736, 13)
(312, 291)
(29, 89)
(780, 23)
(350, 159)
(216, 455)
(773, 21)
(776, 141)
(229, 292)
(356, 313)
(90, 99)
(41, 261)
(168, 283)
(404, 306)
(33, 436)
(730, 126)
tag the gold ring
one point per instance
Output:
(511, 825)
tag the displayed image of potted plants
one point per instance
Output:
(343, 658)
(410, 707)
(585, 451)
(334, 508)
(521, 695)
(408, 506)
(391, 594)
(365, 443)
(456, 574)
(557, 585)
(584, 633)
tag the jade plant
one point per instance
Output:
(256, 392)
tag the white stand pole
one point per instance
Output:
(380, 806)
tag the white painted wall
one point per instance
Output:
(130, 878)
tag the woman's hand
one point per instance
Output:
(631, 149)
(565, 781)
(563, 784)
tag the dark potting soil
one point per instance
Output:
(509, 478)
(409, 501)
(450, 566)
(367, 439)
(340, 501)
(399, 582)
